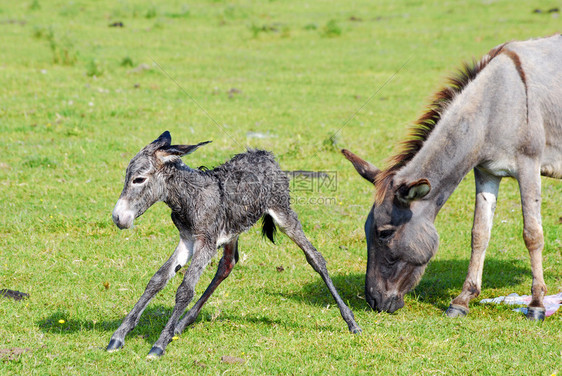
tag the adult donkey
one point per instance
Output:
(501, 117)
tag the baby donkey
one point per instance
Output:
(210, 208)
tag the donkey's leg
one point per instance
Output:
(204, 250)
(288, 221)
(179, 258)
(487, 187)
(530, 188)
(226, 264)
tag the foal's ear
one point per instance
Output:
(408, 192)
(364, 168)
(165, 139)
(171, 152)
(182, 150)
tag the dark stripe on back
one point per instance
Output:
(515, 58)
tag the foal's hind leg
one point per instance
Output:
(530, 188)
(487, 187)
(288, 221)
(226, 264)
(178, 259)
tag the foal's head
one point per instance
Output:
(401, 238)
(145, 179)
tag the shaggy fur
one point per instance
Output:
(210, 208)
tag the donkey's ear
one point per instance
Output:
(171, 152)
(364, 168)
(408, 192)
(182, 150)
(164, 140)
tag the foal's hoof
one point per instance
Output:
(456, 310)
(155, 352)
(114, 345)
(356, 330)
(535, 314)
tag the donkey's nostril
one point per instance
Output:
(116, 220)
(371, 301)
(122, 215)
(123, 219)
(391, 303)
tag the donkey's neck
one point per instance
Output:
(455, 146)
(183, 185)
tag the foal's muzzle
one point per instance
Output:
(119, 222)
(122, 216)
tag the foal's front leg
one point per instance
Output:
(226, 264)
(179, 258)
(487, 187)
(202, 254)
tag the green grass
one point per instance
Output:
(79, 98)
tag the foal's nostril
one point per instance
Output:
(122, 215)
(117, 221)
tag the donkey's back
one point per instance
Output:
(251, 183)
(258, 165)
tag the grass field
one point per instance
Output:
(303, 79)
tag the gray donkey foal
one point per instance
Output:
(210, 209)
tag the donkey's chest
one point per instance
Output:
(502, 167)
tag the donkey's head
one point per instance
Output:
(145, 179)
(401, 237)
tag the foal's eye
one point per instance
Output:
(386, 234)
(139, 180)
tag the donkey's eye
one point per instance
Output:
(386, 234)
(139, 180)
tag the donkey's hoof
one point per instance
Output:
(114, 345)
(155, 352)
(456, 310)
(356, 330)
(535, 314)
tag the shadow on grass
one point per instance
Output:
(151, 323)
(442, 281)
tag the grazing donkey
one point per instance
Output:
(211, 209)
(501, 117)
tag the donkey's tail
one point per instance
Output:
(268, 228)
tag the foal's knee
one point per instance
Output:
(185, 293)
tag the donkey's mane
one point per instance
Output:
(423, 127)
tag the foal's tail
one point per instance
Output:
(268, 228)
